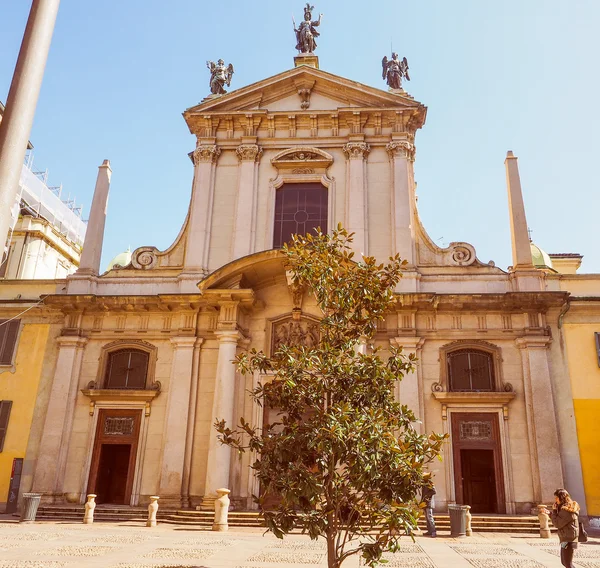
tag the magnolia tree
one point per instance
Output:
(342, 458)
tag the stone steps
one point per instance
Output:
(74, 513)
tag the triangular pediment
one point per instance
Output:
(281, 93)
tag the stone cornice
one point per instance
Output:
(499, 398)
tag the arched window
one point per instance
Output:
(126, 369)
(470, 370)
(299, 209)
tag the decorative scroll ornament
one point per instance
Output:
(144, 258)
(303, 171)
(437, 387)
(357, 150)
(463, 254)
(401, 148)
(294, 333)
(249, 152)
(206, 153)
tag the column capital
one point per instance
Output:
(356, 150)
(72, 341)
(228, 336)
(533, 342)
(408, 343)
(401, 149)
(206, 153)
(249, 152)
(184, 342)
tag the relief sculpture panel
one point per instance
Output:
(303, 332)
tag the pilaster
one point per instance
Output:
(410, 388)
(244, 228)
(546, 462)
(402, 155)
(356, 198)
(54, 446)
(200, 216)
(176, 424)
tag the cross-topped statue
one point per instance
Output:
(306, 32)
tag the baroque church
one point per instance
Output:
(142, 363)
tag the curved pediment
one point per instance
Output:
(302, 156)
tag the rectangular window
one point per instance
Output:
(597, 335)
(9, 330)
(5, 406)
(300, 208)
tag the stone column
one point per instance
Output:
(199, 226)
(356, 195)
(21, 103)
(54, 446)
(546, 463)
(402, 154)
(244, 226)
(180, 382)
(410, 390)
(219, 456)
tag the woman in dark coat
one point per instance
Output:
(565, 517)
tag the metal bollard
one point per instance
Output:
(88, 517)
(221, 510)
(152, 509)
(544, 521)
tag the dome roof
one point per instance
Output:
(539, 257)
(121, 260)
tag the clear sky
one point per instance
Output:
(517, 75)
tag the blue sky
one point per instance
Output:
(517, 74)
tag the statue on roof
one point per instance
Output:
(394, 71)
(219, 76)
(306, 32)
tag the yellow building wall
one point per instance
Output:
(585, 383)
(21, 387)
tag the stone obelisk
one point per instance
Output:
(15, 127)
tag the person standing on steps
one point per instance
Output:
(427, 494)
(565, 517)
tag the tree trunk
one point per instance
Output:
(332, 559)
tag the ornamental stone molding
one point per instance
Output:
(206, 153)
(144, 258)
(402, 149)
(302, 159)
(249, 152)
(356, 150)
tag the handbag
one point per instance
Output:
(583, 536)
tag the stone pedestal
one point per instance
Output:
(309, 59)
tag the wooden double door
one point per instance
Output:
(114, 456)
(477, 455)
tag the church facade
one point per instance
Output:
(142, 366)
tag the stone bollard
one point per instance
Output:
(152, 509)
(469, 531)
(88, 517)
(221, 510)
(544, 521)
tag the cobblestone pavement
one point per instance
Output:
(129, 545)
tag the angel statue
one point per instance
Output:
(306, 33)
(219, 76)
(395, 70)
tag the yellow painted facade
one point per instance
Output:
(584, 370)
(21, 387)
